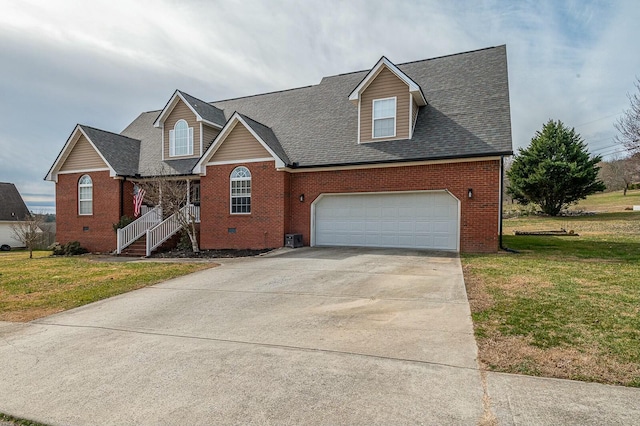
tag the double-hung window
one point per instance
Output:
(241, 190)
(85, 196)
(181, 139)
(384, 118)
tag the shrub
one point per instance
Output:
(72, 248)
(185, 243)
(124, 221)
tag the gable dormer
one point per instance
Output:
(243, 140)
(188, 126)
(388, 103)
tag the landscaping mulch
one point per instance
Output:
(209, 254)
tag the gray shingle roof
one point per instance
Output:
(267, 135)
(120, 151)
(468, 115)
(12, 206)
(207, 111)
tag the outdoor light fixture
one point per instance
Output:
(301, 198)
(470, 193)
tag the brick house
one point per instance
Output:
(405, 155)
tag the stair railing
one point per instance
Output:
(168, 227)
(138, 228)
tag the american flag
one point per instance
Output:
(138, 196)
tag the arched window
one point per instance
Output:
(85, 195)
(181, 139)
(241, 190)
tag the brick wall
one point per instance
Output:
(479, 215)
(275, 207)
(263, 228)
(94, 232)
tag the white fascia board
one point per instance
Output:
(172, 103)
(279, 162)
(414, 88)
(66, 150)
(210, 123)
(112, 172)
(201, 165)
(166, 110)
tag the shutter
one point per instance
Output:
(172, 143)
(190, 140)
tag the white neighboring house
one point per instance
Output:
(12, 210)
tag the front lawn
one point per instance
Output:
(566, 307)
(34, 288)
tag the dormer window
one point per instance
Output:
(384, 118)
(181, 139)
(388, 102)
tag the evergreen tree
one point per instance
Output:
(555, 171)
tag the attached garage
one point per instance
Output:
(424, 219)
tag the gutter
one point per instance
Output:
(296, 165)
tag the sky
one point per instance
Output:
(103, 62)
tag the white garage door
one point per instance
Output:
(426, 220)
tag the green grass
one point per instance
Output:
(33, 288)
(565, 307)
(610, 201)
(17, 421)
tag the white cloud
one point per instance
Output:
(103, 62)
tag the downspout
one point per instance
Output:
(502, 247)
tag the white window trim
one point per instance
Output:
(172, 140)
(395, 118)
(80, 200)
(231, 196)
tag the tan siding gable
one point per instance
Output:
(83, 157)
(385, 85)
(414, 114)
(210, 133)
(182, 112)
(239, 145)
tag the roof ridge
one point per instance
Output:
(416, 61)
(262, 94)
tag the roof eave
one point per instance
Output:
(200, 166)
(406, 160)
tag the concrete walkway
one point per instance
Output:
(305, 336)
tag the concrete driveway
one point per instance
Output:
(320, 336)
(304, 336)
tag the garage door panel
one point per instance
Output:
(412, 220)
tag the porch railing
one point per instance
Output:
(138, 228)
(168, 227)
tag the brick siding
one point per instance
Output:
(275, 206)
(263, 228)
(479, 215)
(94, 232)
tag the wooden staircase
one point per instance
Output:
(139, 247)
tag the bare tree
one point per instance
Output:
(629, 124)
(28, 231)
(172, 193)
(617, 174)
